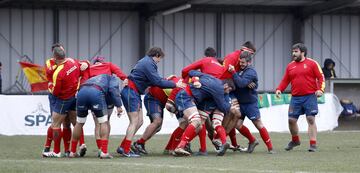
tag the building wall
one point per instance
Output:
(23, 32)
(271, 34)
(184, 37)
(84, 34)
(336, 37)
(112, 34)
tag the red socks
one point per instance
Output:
(141, 141)
(57, 139)
(82, 140)
(177, 138)
(49, 137)
(266, 138)
(188, 135)
(220, 131)
(73, 146)
(125, 144)
(104, 145)
(202, 138)
(169, 144)
(66, 138)
(312, 142)
(98, 143)
(232, 135)
(295, 138)
(246, 132)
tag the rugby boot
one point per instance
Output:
(291, 145)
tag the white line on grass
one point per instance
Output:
(67, 162)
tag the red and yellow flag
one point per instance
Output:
(35, 75)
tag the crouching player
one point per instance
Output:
(91, 96)
(100, 66)
(210, 88)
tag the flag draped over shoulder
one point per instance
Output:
(35, 75)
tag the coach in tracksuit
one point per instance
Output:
(143, 75)
(248, 100)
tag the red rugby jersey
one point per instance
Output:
(107, 68)
(66, 79)
(305, 77)
(163, 94)
(207, 65)
(231, 59)
(49, 71)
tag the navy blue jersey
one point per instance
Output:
(211, 88)
(243, 93)
(109, 85)
(145, 74)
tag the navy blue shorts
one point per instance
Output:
(64, 106)
(109, 102)
(131, 99)
(250, 110)
(90, 98)
(153, 107)
(52, 101)
(183, 101)
(300, 105)
(207, 106)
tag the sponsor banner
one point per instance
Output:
(30, 115)
(263, 100)
(277, 100)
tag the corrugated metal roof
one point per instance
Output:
(260, 2)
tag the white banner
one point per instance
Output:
(30, 115)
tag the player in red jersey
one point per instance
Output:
(51, 66)
(65, 80)
(307, 83)
(208, 65)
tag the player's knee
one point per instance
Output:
(158, 121)
(204, 115)
(292, 121)
(183, 124)
(170, 107)
(235, 112)
(258, 124)
(310, 120)
(195, 119)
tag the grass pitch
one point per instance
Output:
(338, 152)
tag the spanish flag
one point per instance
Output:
(35, 75)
